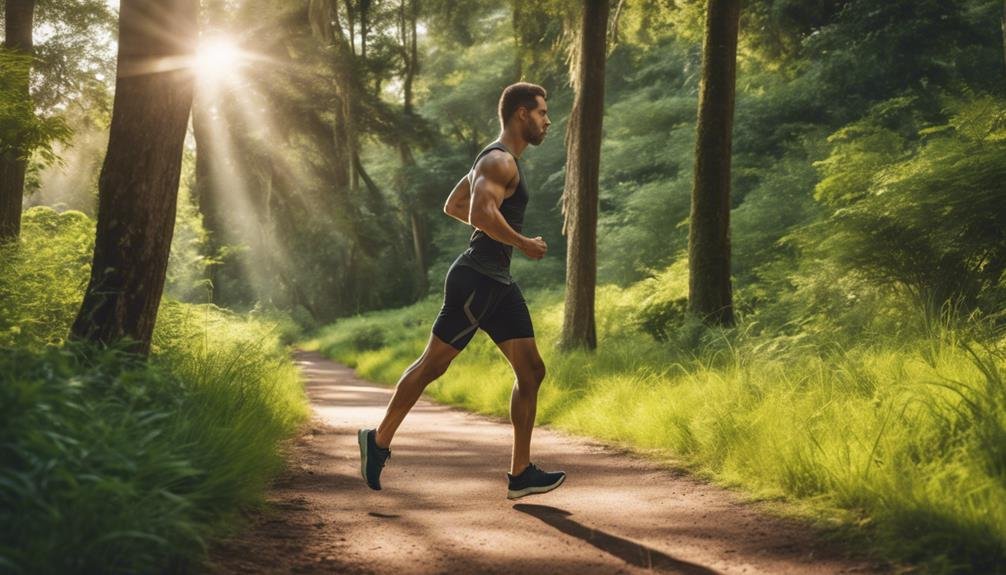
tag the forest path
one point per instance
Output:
(443, 508)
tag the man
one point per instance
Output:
(479, 293)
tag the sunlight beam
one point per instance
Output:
(218, 58)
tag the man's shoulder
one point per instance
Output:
(498, 165)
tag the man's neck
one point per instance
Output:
(513, 142)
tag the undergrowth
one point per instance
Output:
(113, 464)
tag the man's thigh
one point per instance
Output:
(439, 352)
(510, 319)
(522, 353)
(468, 298)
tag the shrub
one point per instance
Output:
(368, 338)
(116, 464)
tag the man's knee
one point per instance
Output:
(539, 371)
(532, 374)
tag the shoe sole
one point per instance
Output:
(517, 494)
(361, 437)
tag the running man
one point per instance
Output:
(479, 293)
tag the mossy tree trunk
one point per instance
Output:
(138, 186)
(709, 289)
(583, 156)
(18, 21)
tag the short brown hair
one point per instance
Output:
(521, 94)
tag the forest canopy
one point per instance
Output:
(325, 137)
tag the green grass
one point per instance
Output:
(904, 442)
(114, 464)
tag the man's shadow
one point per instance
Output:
(626, 550)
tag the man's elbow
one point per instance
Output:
(479, 218)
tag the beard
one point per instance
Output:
(534, 136)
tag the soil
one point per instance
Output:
(444, 509)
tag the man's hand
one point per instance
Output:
(534, 248)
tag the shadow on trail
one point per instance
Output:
(626, 550)
(384, 515)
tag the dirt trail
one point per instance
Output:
(444, 508)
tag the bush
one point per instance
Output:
(113, 464)
(42, 277)
(116, 464)
(662, 301)
(659, 318)
(930, 219)
(368, 338)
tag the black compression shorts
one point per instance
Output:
(473, 300)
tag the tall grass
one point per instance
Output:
(903, 439)
(117, 465)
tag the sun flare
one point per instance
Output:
(217, 58)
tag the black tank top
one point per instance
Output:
(485, 254)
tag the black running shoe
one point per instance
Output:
(372, 457)
(533, 480)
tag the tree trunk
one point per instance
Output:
(206, 187)
(325, 24)
(364, 27)
(138, 187)
(709, 291)
(350, 23)
(416, 220)
(206, 192)
(419, 252)
(346, 83)
(583, 156)
(1003, 26)
(18, 23)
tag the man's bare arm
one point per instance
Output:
(492, 174)
(457, 205)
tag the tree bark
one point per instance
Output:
(138, 187)
(18, 22)
(583, 156)
(709, 289)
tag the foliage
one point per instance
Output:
(115, 465)
(72, 50)
(22, 131)
(70, 59)
(663, 301)
(42, 278)
(927, 216)
(112, 464)
(72, 182)
(310, 234)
